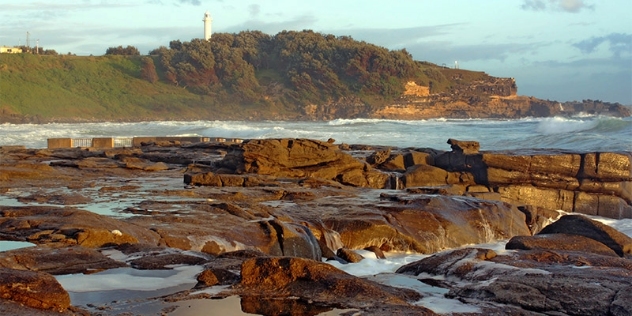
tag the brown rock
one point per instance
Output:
(259, 305)
(69, 226)
(349, 255)
(300, 158)
(537, 217)
(559, 242)
(526, 162)
(424, 175)
(57, 261)
(444, 263)
(297, 240)
(608, 166)
(602, 205)
(379, 157)
(394, 163)
(208, 178)
(551, 199)
(584, 226)
(621, 189)
(466, 147)
(160, 262)
(319, 282)
(536, 281)
(215, 276)
(378, 252)
(34, 289)
(418, 158)
(426, 223)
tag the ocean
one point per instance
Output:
(581, 133)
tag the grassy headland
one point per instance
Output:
(245, 76)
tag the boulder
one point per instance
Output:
(425, 223)
(396, 162)
(379, 157)
(465, 147)
(538, 217)
(320, 283)
(349, 255)
(559, 242)
(552, 282)
(622, 303)
(418, 158)
(296, 240)
(453, 262)
(34, 289)
(377, 251)
(424, 175)
(46, 224)
(57, 261)
(216, 276)
(163, 261)
(580, 225)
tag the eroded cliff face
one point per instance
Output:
(490, 97)
(493, 98)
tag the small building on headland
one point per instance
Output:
(10, 50)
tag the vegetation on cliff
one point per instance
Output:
(248, 75)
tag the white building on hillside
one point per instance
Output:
(207, 25)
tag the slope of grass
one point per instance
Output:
(106, 87)
(110, 87)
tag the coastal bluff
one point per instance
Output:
(111, 88)
(259, 217)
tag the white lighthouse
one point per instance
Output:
(207, 25)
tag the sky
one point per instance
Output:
(560, 50)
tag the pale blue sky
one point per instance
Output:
(556, 49)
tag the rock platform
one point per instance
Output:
(261, 215)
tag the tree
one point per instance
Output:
(148, 70)
(120, 50)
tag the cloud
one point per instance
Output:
(402, 37)
(571, 6)
(254, 10)
(297, 23)
(193, 2)
(446, 52)
(619, 43)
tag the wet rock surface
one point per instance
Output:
(552, 273)
(33, 289)
(264, 210)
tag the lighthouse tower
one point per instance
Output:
(207, 25)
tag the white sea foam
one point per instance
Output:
(371, 265)
(579, 133)
(560, 125)
(622, 225)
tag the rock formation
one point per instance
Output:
(547, 277)
(261, 215)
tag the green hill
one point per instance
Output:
(249, 75)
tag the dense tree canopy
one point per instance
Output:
(120, 50)
(290, 67)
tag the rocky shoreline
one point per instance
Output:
(257, 219)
